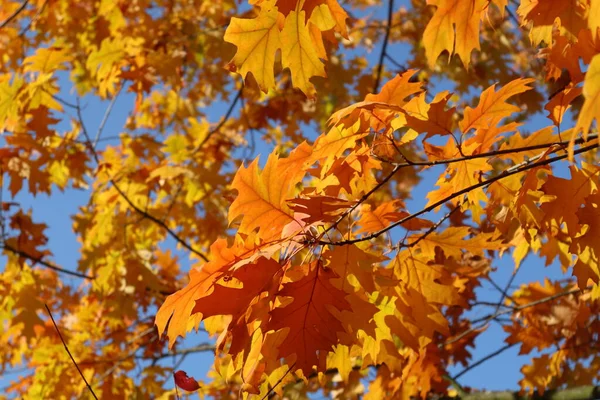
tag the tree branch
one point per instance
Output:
(143, 213)
(498, 313)
(70, 355)
(223, 121)
(484, 359)
(386, 40)
(522, 167)
(45, 263)
(14, 15)
(490, 153)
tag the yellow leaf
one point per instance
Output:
(299, 53)
(59, 173)
(594, 17)
(322, 18)
(47, 60)
(41, 91)
(591, 92)
(340, 359)
(9, 106)
(454, 27)
(461, 175)
(257, 41)
(339, 15)
(454, 241)
(101, 61)
(537, 375)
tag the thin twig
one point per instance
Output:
(484, 359)
(14, 15)
(105, 117)
(201, 348)
(45, 263)
(488, 154)
(492, 316)
(401, 67)
(361, 200)
(518, 168)
(143, 213)
(272, 390)
(499, 289)
(131, 354)
(431, 229)
(223, 121)
(386, 40)
(61, 100)
(504, 293)
(34, 18)
(69, 352)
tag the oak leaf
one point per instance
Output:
(257, 40)
(299, 53)
(308, 321)
(217, 277)
(454, 28)
(561, 102)
(591, 93)
(492, 105)
(563, 209)
(262, 196)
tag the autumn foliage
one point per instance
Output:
(412, 145)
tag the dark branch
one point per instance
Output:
(223, 121)
(143, 213)
(489, 154)
(14, 15)
(484, 359)
(386, 40)
(45, 263)
(513, 310)
(70, 355)
(522, 167)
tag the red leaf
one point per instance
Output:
(185, 382)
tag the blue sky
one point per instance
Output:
(502, 372)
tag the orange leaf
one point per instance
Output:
(351, 260)
(308, 322)
(561, 208)
(454, 28)
(492, 105)
(560, 103)
(177, 310)
(386, 213)
(262, 196)
(319, 209)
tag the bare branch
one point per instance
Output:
(201, 348)
(143, 213)
(223, 121)
(490, 153)
(46, 264)
(386, 40)
(14, 15)
(489, 317)
(105, 117)
(431, 229)
(522, 167)
(68, 352)
(484, 359)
